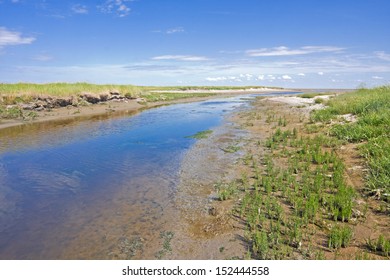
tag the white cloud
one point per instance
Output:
(320, 73)
(228, 78)
(377, 78)
(271, 77)
(79, 9)
(175, 30)
(302, 74)
(8, 38)
(42, 57)
(383, 55)
(216, 79)
(115, 6)
(180, 57)
(286, 77)
(260, 77)
(285, 51)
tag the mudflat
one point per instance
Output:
(242, 197)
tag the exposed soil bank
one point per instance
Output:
(212, 229)
(52, 108)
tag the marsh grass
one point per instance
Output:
(25, 92)
(226, 190)
(313, 94)
(130, 247)
(231, 149)
(15, 112)
(380, 245)
(166, 237)
(299, 186)
(311, 182)
(201, 134)
(339, 236)
(372, 108)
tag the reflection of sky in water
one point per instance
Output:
(95, 156)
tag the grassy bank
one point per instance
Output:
(303, 191)
(22, 101)
(372, 129)
(26, 92)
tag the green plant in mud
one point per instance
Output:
(201, 134)
(339, 237)
(226, 190)
(13, 112)
(166, 237)
(231, 149)
(130, 247)
(312, 183)
(380, 245)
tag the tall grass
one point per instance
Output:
(372, 108)
(65, 89)
(26, 92)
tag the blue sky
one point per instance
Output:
(301, 43)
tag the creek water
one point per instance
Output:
(85, 188)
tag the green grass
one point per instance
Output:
(231, 149)
(372, 128)
(14, 93)
(339, 237)
(26, 92)
(201, 134)
(21, 93)
(312, 94)
(311, 183)
(380, 245)
(226, 190)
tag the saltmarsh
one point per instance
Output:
(372, 130)
(26, 92)
(295, 198)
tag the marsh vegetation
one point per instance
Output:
(304, 192)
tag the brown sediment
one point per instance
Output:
(211, 229)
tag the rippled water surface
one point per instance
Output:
(83, 188)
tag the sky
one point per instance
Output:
(294, 44)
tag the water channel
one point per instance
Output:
(82, 188)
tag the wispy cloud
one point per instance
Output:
(180, 58)
(171, 31)
(9, 38)
(79, 9)
(42, 57)
(119, 7)
(285, 51)
(175, 30)
(383, 55)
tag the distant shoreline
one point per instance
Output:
(123, 105)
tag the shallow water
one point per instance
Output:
(86, 188)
